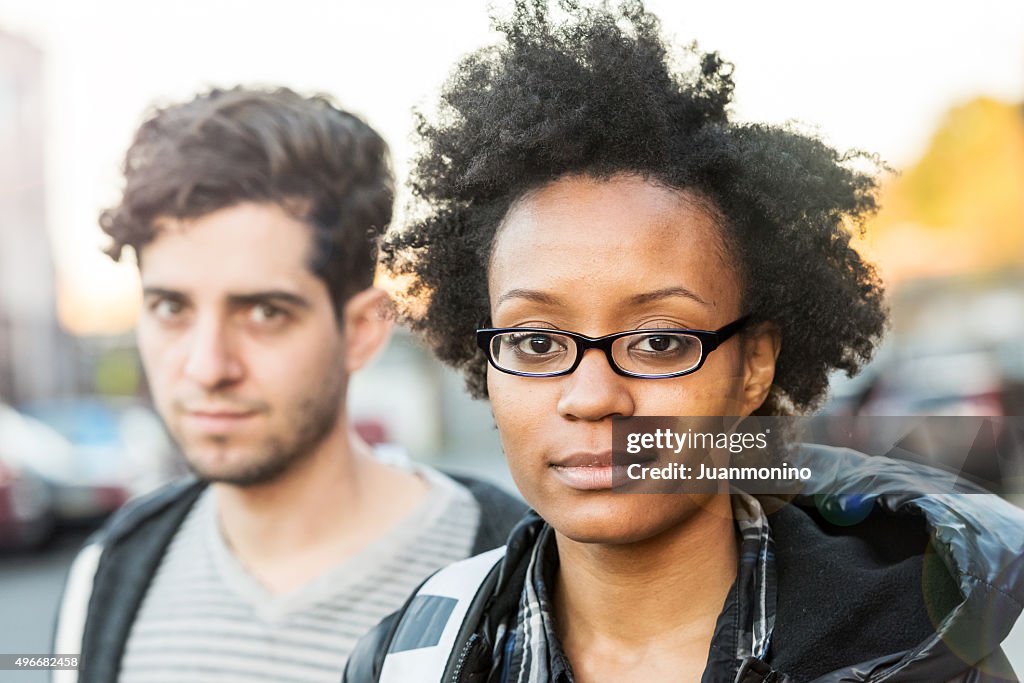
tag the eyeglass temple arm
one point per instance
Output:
(723, 333)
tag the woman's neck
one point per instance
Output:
(649, 604)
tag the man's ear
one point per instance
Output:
(367, 323)
(761, 346)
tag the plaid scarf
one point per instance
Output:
(533, 654)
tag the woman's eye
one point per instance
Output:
(535, 344)
(658, 343)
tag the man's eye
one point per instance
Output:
(266, 313)
(168, 309)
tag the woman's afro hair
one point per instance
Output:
(601, 93)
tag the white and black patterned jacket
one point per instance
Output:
(921, 591)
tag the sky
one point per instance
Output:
(876, 75)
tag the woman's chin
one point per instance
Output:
(618, 519)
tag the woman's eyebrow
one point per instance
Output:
(530, 295)
(540, 297)
(668, 292)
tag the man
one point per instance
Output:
(254, 215)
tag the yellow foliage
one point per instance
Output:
(961, 206)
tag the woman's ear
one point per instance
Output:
(368, 319)
(761, 346)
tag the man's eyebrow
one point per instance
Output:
(530, 295)
(269, 296)
(278, 296)
(163, 292)
(668, 292)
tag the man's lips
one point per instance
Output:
(218, 419)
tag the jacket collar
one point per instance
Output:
(977, 536)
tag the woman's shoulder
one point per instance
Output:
(885, 586)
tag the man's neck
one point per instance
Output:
(321, 512)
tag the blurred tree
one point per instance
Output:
(961, 206)
(118, 373)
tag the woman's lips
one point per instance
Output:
(589, 471)
(585, 471)
(585, 478)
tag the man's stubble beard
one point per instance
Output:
(313, 419)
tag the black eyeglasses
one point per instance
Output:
(648, 354)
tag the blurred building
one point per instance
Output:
(34, 352)
(408, 399)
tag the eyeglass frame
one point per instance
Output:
(709, 341)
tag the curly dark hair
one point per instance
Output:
(599, 95)
(224, 147)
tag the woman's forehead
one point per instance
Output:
(625, 236)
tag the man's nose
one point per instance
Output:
(212, 360)
(594, 391)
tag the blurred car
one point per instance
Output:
(905, 379)
(966, 382)
(26, 516)
(966, 398)
(954, 358)
(26, 512)
(117, 450)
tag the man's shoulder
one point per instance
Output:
(500, 511)
(488, 494)
(111, 572)
(174, 498)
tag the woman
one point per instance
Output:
(602, 241)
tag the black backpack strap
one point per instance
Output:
(367, 658)
(754, 670)
(493, 595)
(133, 543)
(438, 618)
(499, 512)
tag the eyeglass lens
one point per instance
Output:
(642, 353)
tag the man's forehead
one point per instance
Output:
(245, 247)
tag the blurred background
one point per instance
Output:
(935, 89)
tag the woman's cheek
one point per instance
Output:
(523, 420)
